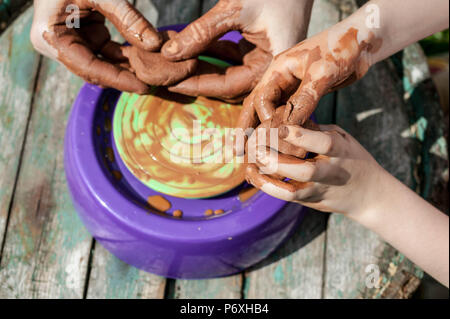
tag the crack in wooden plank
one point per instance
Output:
(19, 166)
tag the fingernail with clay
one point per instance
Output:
(283, 131)
(152, 40)
(171, 49)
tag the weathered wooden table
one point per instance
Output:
(47, 253)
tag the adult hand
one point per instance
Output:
(87, 50)
(268, 27)
(154, 69)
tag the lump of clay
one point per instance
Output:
(153, 69)
(231, 84)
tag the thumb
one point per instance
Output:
(133, 26)
(200, 34)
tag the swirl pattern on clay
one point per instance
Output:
(175, 144)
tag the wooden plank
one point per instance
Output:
(177, 11)
(296, 269)
(18, 67)
(46, 248)
(220, 288)
(350, 247)
(112, 278)
(109, 276)
(422, 95)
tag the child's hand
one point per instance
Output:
(338, 56)
(87, 49)
(300, 76)
(268, 26)
(342, 178)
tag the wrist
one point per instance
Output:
(388, 196)
(369, 34)
(375, 198)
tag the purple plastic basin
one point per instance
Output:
(111, 202)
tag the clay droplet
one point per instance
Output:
(159, 202)
(246, 193)
(177, 213)
(110, 154)
(218, 212)
(208, 212)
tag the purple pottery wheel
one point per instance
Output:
(111, 202)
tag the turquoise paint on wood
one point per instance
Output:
(46, 247)
(109, 276)
(112, 278)
(17, 58)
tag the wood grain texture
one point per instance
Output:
(18, 69)
(109, 276)
(47, 247)
(220, 288)
(297, 271)
(424, 107)
(112, 278)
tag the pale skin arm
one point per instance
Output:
(400, 24)
(344, 178)
(413, 226)
(337, 57)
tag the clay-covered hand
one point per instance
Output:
(300, 76)
(268, 27)
(86, 49)
(154, 69)
(341, 178)
(266, 135)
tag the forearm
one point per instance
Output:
(396, 24)
(412, 225)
